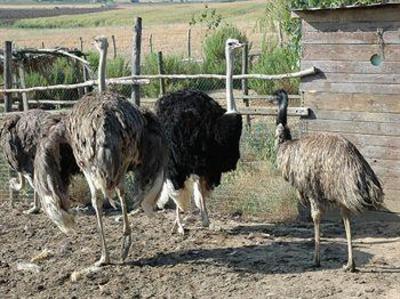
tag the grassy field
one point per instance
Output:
(152, 14)
(167, 23)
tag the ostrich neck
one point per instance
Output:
(102, 70)
(230, 102)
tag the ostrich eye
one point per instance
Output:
(230, 44)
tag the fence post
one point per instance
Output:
(114, 46)
(189, 43)
(7, 75)
(245, 87)
(21, 73)
(161, 71)
(42, 45)
(136, 49)
(151, 43)
(81, 43)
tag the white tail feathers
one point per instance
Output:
(58, 215)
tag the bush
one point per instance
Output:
(173, 64)
(275, 60)
(214, 49)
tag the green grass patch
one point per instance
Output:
(151, 14)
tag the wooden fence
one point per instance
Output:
(137, 79)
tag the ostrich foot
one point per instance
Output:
(126, 244)
(33, 210)
(350, 267)
(104, 260)
(205, 222)
(178, 228)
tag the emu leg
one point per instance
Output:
(98, 207)
(126, 230)
(316, 216)
(350, 266)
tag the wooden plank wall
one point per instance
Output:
(351, 96)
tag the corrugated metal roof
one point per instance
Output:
(376, 5)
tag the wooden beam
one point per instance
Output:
(7, 75)
(292, 111)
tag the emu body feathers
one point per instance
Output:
(326, 169)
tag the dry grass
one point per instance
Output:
(169, 35)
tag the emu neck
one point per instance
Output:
(102, 70)
(230, 101)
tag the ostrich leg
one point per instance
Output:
(178, 223)
(200, 193)
(316, 216)
(15, 184)
(98, 207)
(36, 201)
(126, 235)
(350, 266)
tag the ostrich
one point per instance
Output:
(108, 136)
(326, 169)
(19, 137)
(204, 142)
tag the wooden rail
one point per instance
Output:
(111, 81)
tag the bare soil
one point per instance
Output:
(233, 259)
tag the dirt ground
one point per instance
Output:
(232, 259)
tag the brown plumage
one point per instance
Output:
(107, 136)
(326, 169)
(19, 137)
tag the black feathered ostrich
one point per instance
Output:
(108, 137)
(326, 169)
(19, 137)
(204, 142)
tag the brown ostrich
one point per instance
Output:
(19, 137)
(107, 136)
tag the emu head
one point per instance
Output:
(282, 132)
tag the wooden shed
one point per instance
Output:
(357, 92)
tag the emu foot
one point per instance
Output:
(126, 244)
(316, 263)
(350, 267)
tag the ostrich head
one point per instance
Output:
(230, 45)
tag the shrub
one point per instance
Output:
(214, 49)
(275, 60)
(173, 64)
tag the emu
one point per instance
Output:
(326, 169)
(108, 137)
(19, 137)
(203, 143)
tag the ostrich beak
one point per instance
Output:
(238, 45)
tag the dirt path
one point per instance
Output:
(234, 259)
